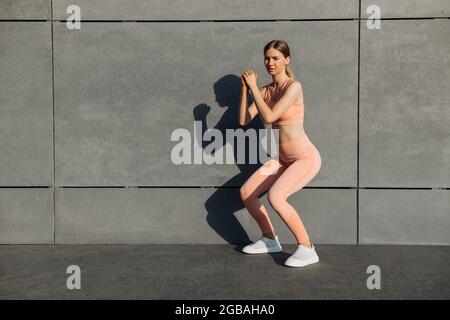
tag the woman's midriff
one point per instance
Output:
(295, 144)
(289, 132)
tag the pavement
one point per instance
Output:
(199, 272)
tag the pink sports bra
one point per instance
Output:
(293, 115)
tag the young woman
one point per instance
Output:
(280, 104)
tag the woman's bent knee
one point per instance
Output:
(276, 200)
(246, 193)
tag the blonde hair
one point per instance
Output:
(283, 47)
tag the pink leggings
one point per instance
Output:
(299, 161)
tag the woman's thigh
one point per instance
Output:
(296, 175)
(261, 180)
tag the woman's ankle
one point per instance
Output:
(307, 244)
(269, 235)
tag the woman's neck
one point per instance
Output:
(279, 80)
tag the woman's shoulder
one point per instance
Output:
(296, 81)
(270, 87)
(289, 83)
(295, 85)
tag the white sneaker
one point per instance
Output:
(263, 245)
(303, 256)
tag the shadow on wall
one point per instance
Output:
(226, 200)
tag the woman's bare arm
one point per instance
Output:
(243, 113)
(247, 114)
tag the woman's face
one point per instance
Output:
(274, 61)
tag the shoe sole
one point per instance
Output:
(270, 250)
(302, 263)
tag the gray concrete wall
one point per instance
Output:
(86, 118)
